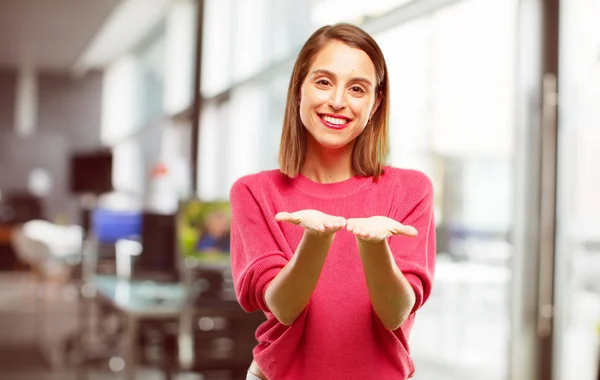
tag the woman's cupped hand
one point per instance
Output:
(313, 221)
(372, 229)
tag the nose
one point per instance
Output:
(337, 100)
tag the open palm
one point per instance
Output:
(378, 228)
(313, 221)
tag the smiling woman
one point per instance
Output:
(340, 80)
(338, 94)
(335, 248)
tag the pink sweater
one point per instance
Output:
(338, 335)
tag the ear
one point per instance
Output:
(375, 106)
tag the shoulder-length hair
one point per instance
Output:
(371, 146)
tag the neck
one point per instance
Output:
(328, 166)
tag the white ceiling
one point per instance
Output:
(49, 34)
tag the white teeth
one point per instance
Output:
(334, 120)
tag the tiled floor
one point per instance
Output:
(20, 360)
(460, 334)
(463, 331)
(20, 333)
(435, 337)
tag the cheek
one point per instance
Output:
(359, 128)
(305, 114)
(304, 107)
(362, 108)
(310, 101)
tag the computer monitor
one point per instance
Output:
(159, 256)
(204, 231)
(91, 172)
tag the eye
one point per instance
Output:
(357, 89)
(323, 82)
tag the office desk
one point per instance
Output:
(143, 299)
(136, 301)
(8, 259)
(5, 234)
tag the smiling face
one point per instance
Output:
(338, 96)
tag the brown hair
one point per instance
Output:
(371, 146)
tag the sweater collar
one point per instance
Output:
(329, 190)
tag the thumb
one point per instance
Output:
(286, 217)
(402, 229)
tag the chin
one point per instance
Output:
(331, 140)
(333, 144)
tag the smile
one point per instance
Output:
(334, 121)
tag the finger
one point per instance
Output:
(404, 230)
(362, 232)
(321, 228)
(316, 226)
(329, 225)
(373, 237)
(335, 227)
(365, 236)
(350, 225)
(338, 223)
(287, 217)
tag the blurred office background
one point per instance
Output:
(496, 100)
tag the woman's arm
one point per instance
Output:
(290, 291)
(264, 277)
(398, 261)
(391, 294)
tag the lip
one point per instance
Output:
(334, 126)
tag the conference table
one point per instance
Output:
(136, 301)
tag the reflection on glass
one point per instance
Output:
(452, 75)
(151, 58)
(217, 47)
(246, 132)
(451, 82)
(326, 12)
(578, 224)
(214, 120)
(120, 103)
(128, 172)
(249, 38)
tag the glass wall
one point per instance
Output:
(144, 91)
(247, 60)
(325, 12)
(151, 65)
(577, 284)
(452, 116)
(452, 99)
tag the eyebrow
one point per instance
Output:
(330, 74)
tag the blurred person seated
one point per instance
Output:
(215, 234)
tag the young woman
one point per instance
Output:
(335, 248)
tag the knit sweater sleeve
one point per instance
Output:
(415, 256)
(256, 257)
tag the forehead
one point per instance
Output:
(344, 60)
